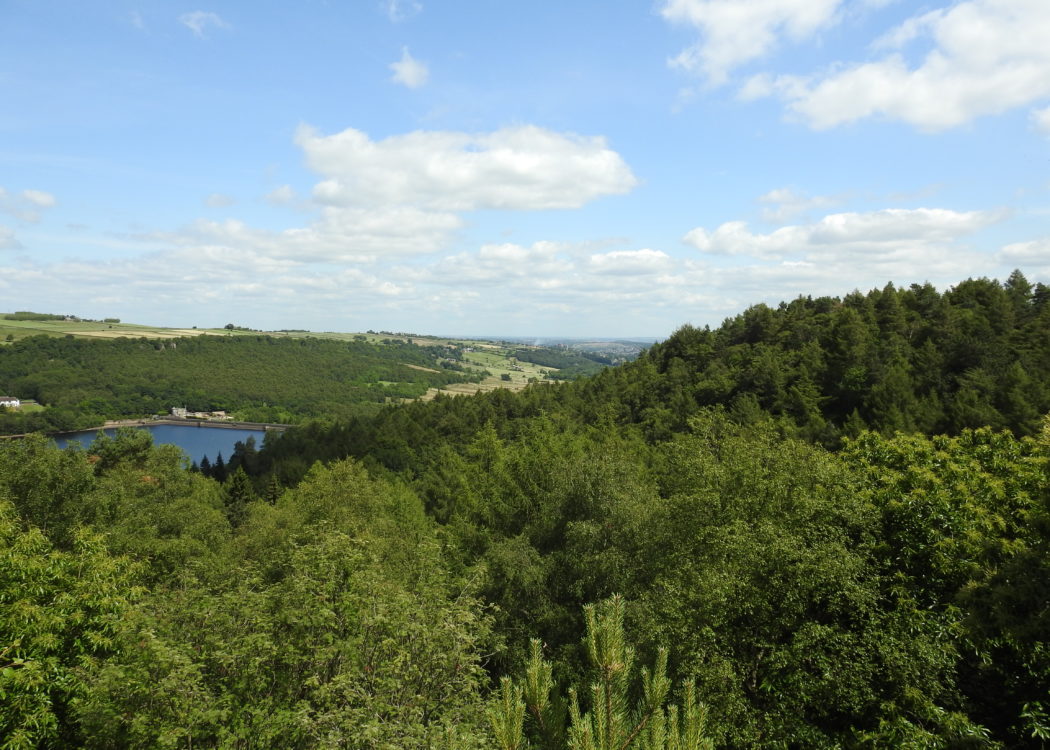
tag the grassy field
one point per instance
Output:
(90, 329)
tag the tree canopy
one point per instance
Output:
(824, 525)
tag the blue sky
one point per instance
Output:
(553, 169)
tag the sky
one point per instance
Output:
(573, 169)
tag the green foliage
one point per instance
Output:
(611, 723)
(338, 652)
(260, 378)
(27, 315)
(374, 580)
(45, 485)
(328, 618)
(238, 494)
(58, 611)
(761, 572)
(568, 363)
(894, 359)
(150, 507)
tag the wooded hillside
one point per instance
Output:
(84, 382)
(786, 577)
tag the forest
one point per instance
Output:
(820, 525)
(570, 364)
(257, 378)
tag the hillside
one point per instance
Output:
(912, 360)
(256, 378)
(788, 577)
(83, 372)
(823, 369)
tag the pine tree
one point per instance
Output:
(611, 723)
(273, 489)
(238, 493)
(218, 471)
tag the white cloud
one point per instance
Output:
(408, 71)
(1027, 254)
(39, 198)
(218, 200)
(514, 287)
(401, 196)
(784, 203)
(343, 235)
(199, 21)
(504, 264)
(735, 32)
(987, 56)
(242, 280)
(891, 233)
(7, 239)
(25, 206)
(521, 168)
(630, 262)
(549, 276)
(1041, 120)
(281, 196)
(401, 10)
(907, 32)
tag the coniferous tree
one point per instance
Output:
(612, 722)
(218, 471)
(273, 489)
(238, 493)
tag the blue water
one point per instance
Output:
(196, 442)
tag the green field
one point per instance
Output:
(93, 329)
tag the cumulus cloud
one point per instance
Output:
(986, 57)
(521, 168)
(785, 203)
(7, 239)
(408, 71)
(891, 233)
(1041, 120)
(630, 262)
(219, 200)
(281, 196)
(25, 206)
(39, 198)
(401, 10)
(555, 277)
(542, 263)
(504, 284)
(1027, 254)
(199, 21)
(240, 279)
(402, 197)
(734, 32)
(344, 235)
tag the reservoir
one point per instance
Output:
(195, 441)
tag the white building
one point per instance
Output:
(10, 402)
